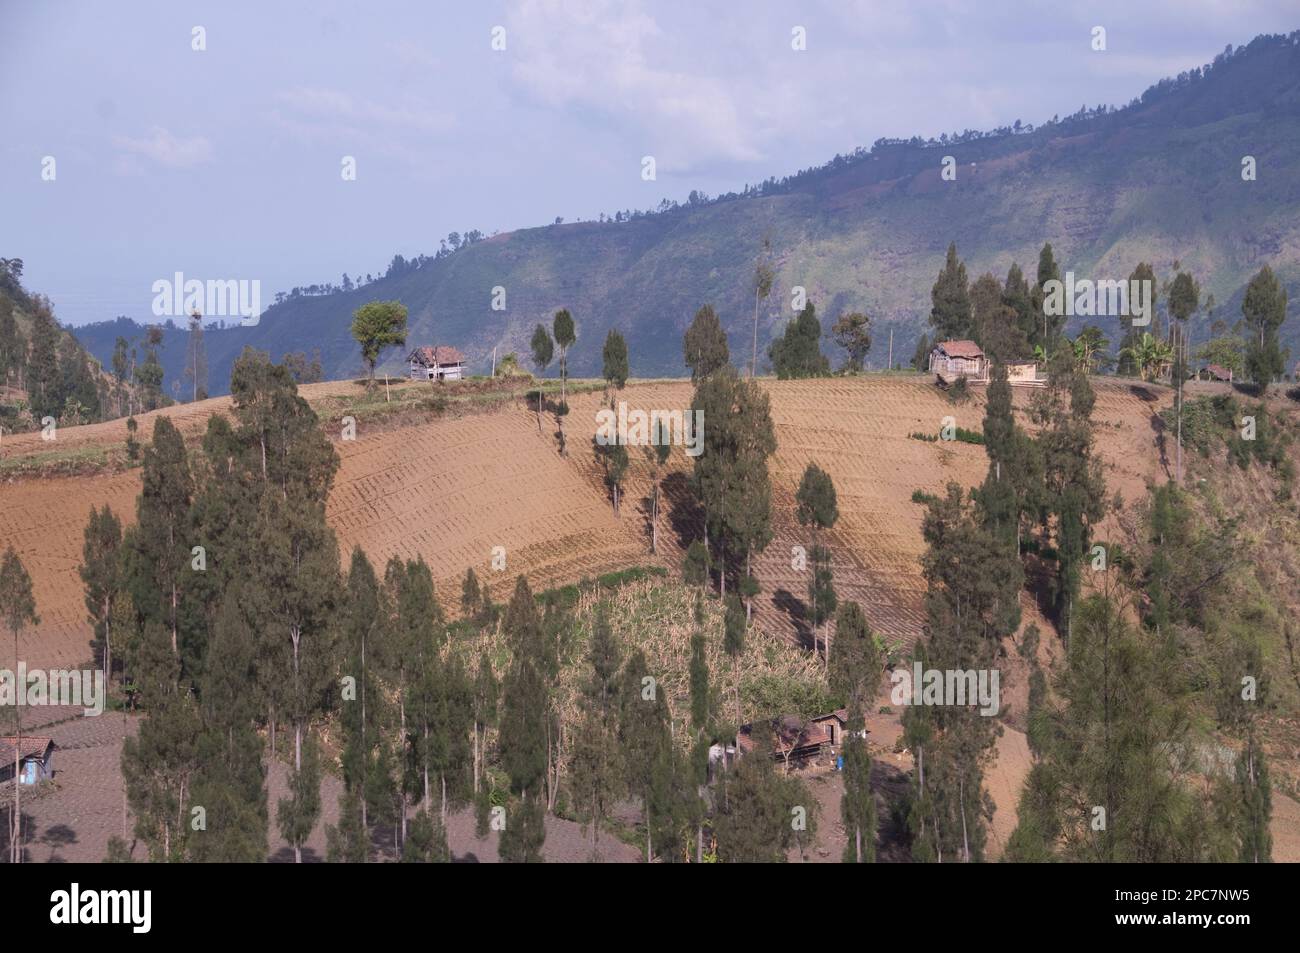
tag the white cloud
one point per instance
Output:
(163, 147)
(613, 59)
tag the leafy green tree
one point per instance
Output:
(17, 610)
(44, 384)
(731, 476)
(543, 351)
(760, 812)
(853, 333)
(377, 325)
(427, 842)
(1132, 336)
(297, 814)
(1264, 311)
(565, 335)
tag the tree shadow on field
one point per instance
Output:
(1159, 429)
(797, 612)
(685, 515)
(56, 838)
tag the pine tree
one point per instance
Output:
(817, 508)
(100, 558)
(921, 356)
(1073, 486)
(614, 357)
(705, 345)
(950, 312)
(427, 843)
(1016, 296)
(797, 353)
(362, 623)
(160, 763)
(1047, 336)
(855, 676)
(486, 693)
(162, 559)
(230, 782)
(596, 768)
(525, 729)
(651, 759)
(702, 715)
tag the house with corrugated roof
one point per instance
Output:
(33, 758)
(437, 363)
(950, 360)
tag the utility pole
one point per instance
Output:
(494, 360)
(890, 366)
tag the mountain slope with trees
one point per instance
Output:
(1159, 180)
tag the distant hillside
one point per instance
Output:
(44, 370)
(1158, 180)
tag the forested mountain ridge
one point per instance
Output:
(1159, 180)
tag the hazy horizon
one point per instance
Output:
(225, 162)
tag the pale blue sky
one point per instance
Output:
(226, 163)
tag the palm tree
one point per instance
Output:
(1152, 356)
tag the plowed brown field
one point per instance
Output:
(452, 488)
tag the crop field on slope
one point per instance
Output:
(452, 488)
(857, 429)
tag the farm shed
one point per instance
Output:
(1024, 374)
(439, 363)
(950, 360)
(35, 760)
(1217, 372)
(800, 740)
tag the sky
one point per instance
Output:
(227, 162)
